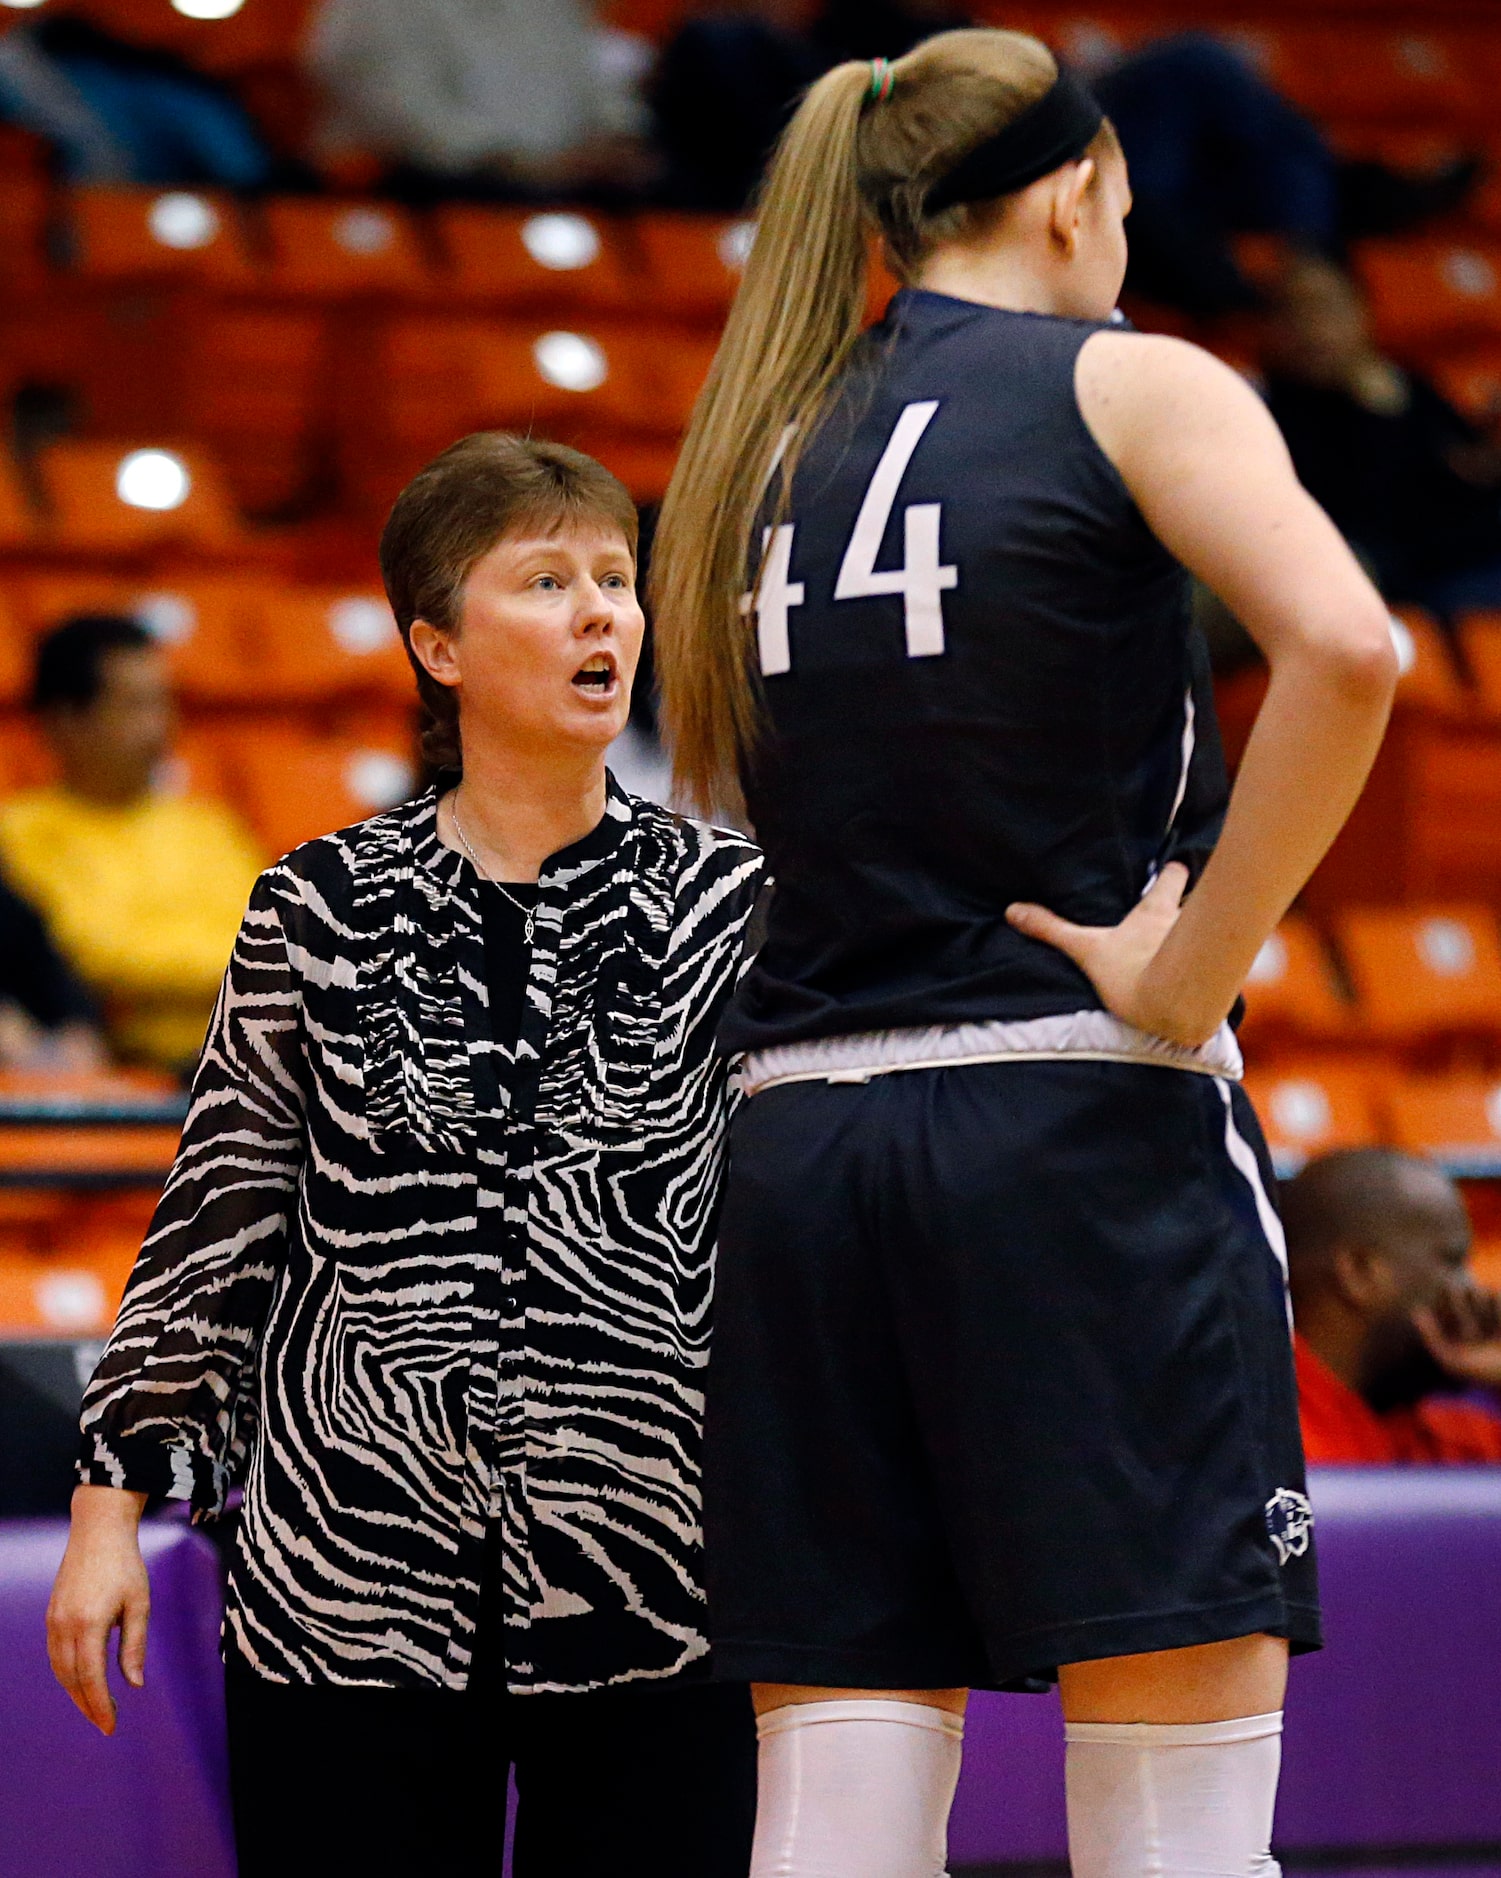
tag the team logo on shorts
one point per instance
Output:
(1289, 1521)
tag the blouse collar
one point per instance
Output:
(450, 866)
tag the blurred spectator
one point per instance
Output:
(1215, 151)
(731, 76)
(142, 892)
(1390, 1319)
(488, 97)
(1411, 483)
(121, 113)
(726, 84)
(884, 29)
(47, 1019)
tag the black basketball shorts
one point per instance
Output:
(1001, 1379)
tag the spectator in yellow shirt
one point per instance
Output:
(142, 891)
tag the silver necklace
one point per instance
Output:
(528, 913)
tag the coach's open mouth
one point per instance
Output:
(598, 676)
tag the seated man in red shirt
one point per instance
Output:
(1392, 1324)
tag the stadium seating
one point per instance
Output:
(344, 250)
(1432, 294)
(1292, 993)
(1429, 679)
(1455, 1118)
(694, 262)
(295, 787)
(1453, 815)
(1423, 975)
(205, 623)
(144, 235)
(559, 261)
(307, 354)
(123, 499)
(1308, 1106)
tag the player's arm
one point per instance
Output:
(1209, 470)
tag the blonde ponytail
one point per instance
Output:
(853, 160)
(798, 312)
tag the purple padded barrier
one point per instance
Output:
(150, 1801)
(1393, 1732)
(1393, 1740)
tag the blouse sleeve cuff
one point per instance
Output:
(143, 1464)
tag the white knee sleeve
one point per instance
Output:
(1150, 1801)
(855, 1790)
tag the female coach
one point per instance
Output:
(433, 1267)
(1002, 1386)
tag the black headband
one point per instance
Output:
(1058, 129)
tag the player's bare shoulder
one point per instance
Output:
(1132, 387)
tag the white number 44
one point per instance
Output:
(921, 580)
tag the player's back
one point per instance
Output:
(981, 687)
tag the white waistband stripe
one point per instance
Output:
(1092, 1036)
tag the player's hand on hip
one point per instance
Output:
(1117, 960)
(100, 1584)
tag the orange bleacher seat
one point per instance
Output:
(694, 262)
(1480, 643)
(1472, 383)
(553, 261)
(643, 464)
(1429, 680)
(15, 654)
(1391, 72)
(224, 39)
(320, 643)
(1454, 813)
(342, 250)
(1483, 208)
(653, 19)
(1087, 36)
(18, 520)
(1432, 293)
(296, 788)
(207, 625)
(1456, 1119)
(185, 235)
(180, 499)
(25, 760)
(1485, 1263)
(255, 383)
(1421, 974)
(566, 376)
(1292, 991)
(433, 379)
(1311, 1106)
(46, 1296)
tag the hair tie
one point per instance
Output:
(882, 80)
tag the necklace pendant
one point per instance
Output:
(527, 930)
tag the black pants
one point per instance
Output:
(387, 1783)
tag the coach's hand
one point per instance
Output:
(101, 1583)
(1117, 960)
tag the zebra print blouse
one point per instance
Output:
(406, 1284)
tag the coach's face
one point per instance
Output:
(548, 642)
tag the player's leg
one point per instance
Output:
(829, 1582)
(1173, 1758)
(855, 1782)
(1095, 1326)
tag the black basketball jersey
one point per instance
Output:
(982, 686)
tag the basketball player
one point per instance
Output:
(1002, 1389)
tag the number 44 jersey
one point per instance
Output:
(981, 685)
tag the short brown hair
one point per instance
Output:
(452, 514)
